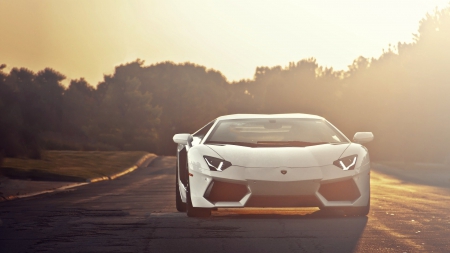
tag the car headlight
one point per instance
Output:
(346, 163)
(216, 164)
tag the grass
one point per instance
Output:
(70, 165)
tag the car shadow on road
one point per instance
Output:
(265, 230)
(286, 213)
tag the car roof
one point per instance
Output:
(270, 116)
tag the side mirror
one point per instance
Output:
(363, 137)
(184, 139)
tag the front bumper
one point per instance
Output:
(280, 187)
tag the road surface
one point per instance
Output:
(136, 213)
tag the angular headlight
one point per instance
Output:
(216, 164)
(347, 163)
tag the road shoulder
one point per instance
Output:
(11, 189)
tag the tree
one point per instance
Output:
(79, 108)
(127, 118)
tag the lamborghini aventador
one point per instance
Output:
(277, 160)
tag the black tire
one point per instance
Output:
(181, 207)
(330, 210)
(358, 211)
(195, 211)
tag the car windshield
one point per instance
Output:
(274, 133)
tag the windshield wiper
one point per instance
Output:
(245, 144)
(290, 143)
(269, 143)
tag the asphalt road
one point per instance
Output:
(136, 213)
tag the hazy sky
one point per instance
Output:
(88, 38)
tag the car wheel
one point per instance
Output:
(181, 207)
(195, 211)
(358, 211)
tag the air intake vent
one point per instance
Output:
(340, 191)
(220, 191)
(282, 201)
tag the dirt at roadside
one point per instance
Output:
(427, 174)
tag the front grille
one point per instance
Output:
(340, 191)
(221, 191)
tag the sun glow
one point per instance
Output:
(88, 38)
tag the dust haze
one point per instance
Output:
(401, 96)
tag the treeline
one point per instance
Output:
(402, 96)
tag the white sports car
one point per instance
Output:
(278, 160)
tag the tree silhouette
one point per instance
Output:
(402, 96)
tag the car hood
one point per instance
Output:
(311, 156)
